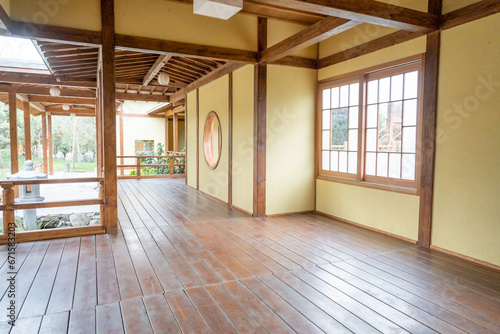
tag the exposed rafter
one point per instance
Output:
(316, 33)
(44, 91)
(470, 13)
(59, 99)
(48, 80)
(142, 97)
(368, 11)
(157, 66)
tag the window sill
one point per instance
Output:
(371, 185)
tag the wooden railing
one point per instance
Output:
(9, 206)
(173, 161)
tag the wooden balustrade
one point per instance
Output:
(9, 206)
(137, 166)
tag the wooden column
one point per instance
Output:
(166, 133)
(198, 139)
(230, 142)
(429, 113)
(51, 149)
(98, 125)
(109, 114)
(260, 119)
(27, 130)
(176, 132)
(44, 142)
(122, 150)
(14, 157)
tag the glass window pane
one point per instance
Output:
(325, 160)
(344, 96)
(370, 163)
(354, 94)
(339, 129)
(411, 85)
(395, 165)
(335, 97)
(334, 161)
(326, 140)
(353, 140)
(353, 117)
(372, 92)
(371, 140)
(325, 124)
(383, 127)
(384, 90)
(353, 162)
(409, 139)
(382, 164)
(408, 172)
(326, 99)
(371, 117)
(397, 87)
(343, 162)
(410, 113)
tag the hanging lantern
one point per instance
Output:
(55, 91)
(163, 79)
(65, 106)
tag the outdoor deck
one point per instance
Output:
(185, 263)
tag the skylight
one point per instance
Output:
(20, 53)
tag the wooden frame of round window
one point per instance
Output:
(209, 140)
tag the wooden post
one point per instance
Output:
(171, 162)
(98, 125)
(101, 207)
(8, 198)
(167, 148)
(230, 142)
(176, 133)
(109, 114)
(27, 130)
(122, 150)
(260, 120)
(44, 142)
(51, 149)
(138, 162)
(429, 114)
(198, 139)
(14, 157)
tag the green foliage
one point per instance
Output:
(339, 127)
(160, 170)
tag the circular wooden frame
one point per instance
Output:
(208, 140)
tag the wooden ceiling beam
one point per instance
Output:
(44, 91)
(368, 11)
(60, 99)
(68, 113)
(470, 13)
(58, 108)
(142, 97)
(157, 66)
(369, 47)
(150, 45)
(47, 80)
(63, 55)
(311, 35)
(34, 105)
(297, 62)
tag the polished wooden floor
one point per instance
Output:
(184, 263)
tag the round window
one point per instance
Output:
(212, 140)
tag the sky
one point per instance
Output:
(21, 51)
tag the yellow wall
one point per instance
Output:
(388, 211)
(466, 215)
(403, 218)
(215, 96)
(451, 5)
(67, 13)
(191, 139)
(138, 128)
(243, 111)
(290, 139)
(279, 30)
(175, 21)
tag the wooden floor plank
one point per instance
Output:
(160, 315)
(135, 318)
(61, 298)
(107, 284)
(82, 321)
(186, 314)
(86, 278)
(37, 300)
(109, 319)
(55, 323)
(214, 317)
(243, 321)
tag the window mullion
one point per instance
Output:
(361, 128)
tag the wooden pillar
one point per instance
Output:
(98, 125)
(27, 130)
(230, 142)
(429, 114)
(109, 114)
(44, 142)
(8, 215)
(166, 133)
(260, 119)
(14, 157)
(51, 149)
(122, 150)
(176, 133)
(198, 139)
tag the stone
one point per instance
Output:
(59, 155)
(51, 224)
(64, 224)
(79, 219)
(69, 156)
(95, 222)
(88, 157)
